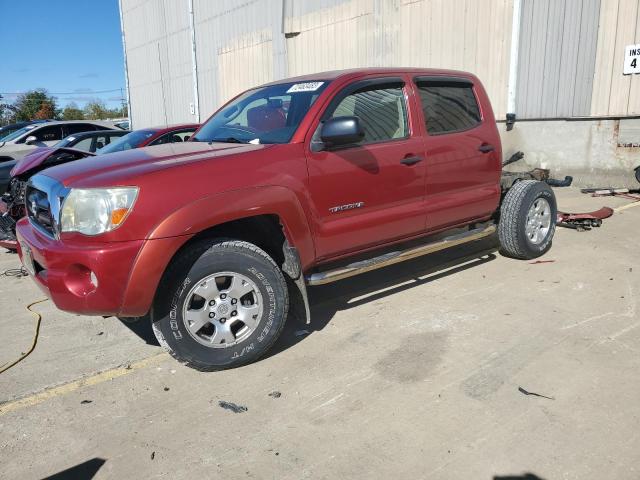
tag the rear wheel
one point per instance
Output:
(527, 220)
(222, 304)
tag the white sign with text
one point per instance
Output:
(631, 59)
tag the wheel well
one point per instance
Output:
(264, 231)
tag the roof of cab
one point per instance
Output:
(357, 72)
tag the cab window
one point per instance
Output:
(448, 107)
(382, 111)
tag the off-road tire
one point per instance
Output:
(187, 270)
(513, 217)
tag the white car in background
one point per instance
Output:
(19, 143)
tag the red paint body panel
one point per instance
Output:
(189, 187)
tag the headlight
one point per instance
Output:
(93, 211)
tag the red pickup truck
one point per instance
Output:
(292, 184)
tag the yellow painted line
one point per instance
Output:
(628, 205)
(101, 377)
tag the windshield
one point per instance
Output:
(129, 141)
(18, 133)
(262, 115)
(6, 131)
(65, 141)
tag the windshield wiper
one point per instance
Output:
(228, 140)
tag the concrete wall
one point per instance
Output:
(596, 153)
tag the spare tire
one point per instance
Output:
(527, 220)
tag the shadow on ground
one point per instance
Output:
(525, 476)
(327, 300)
(82, 471)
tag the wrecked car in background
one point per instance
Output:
(14, 175)
(26, 139)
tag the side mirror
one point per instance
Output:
(31, 139)
(341, 131)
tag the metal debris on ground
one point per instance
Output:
(613, 192)
(275, 394)
(85, 402)
(541, 261)
(235, 408)
(583, 221)
(525, 392)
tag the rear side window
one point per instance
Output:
(381, 109)
(84, 144)
(48, 134)
(79, 127)
(448, 107)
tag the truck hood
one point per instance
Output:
(116, 168)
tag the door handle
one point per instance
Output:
(411, 160)
(486, 148)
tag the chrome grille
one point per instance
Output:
(39, 209)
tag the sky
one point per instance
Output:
(69, 47)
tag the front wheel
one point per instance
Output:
(221, 304)
(527, 220)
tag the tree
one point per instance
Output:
(72, 112)
(46, 111)
(96, 110)
(7, 112)
(28, 104)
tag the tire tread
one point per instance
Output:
(188, 257)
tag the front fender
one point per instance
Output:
(237, 204)
(185, 222)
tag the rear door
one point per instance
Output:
(369, 193)
(462, 147)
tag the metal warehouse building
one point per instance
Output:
(556, 64)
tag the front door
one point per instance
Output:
(372, 192)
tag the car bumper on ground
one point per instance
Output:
(89, 278)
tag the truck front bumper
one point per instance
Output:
(89, 278)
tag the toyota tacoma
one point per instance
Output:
(292, 184)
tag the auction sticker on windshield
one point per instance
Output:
(305, 87)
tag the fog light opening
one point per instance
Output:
(94, 280)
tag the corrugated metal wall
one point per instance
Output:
(614, 93)
(159, 62)
(557, 54)
(570, 50)
(471, 35)
(239, 45)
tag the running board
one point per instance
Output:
(391, 258)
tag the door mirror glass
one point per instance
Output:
(340, 131)
(30, 140)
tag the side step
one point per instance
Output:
(391, 258)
